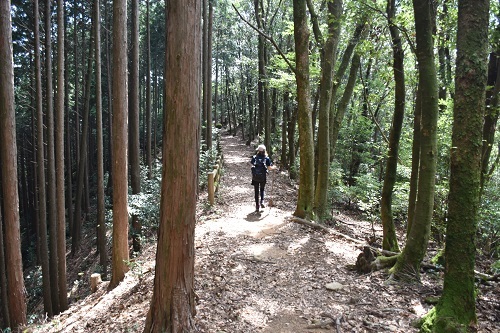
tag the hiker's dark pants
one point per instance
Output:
(259, 189)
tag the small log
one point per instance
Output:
(95, 279)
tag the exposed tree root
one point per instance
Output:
(369, 260)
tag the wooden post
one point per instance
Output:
(95, 279)
(211, 188)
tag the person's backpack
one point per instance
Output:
(259, 169)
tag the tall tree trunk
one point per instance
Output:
(82, 160)
(344, 100)
(8, 158)
(76, 102)
(204, 73)
(327, 57)
(390, 239)
(42, 197)
(286, 116)
(101, 220)
(456, 309)
(59, 163)
(120, 143)
(149, 161)
(408, 263)
(51, 168)
(173, 306)
(346, 58)
(261, 86)
(110, 99)
(133, 116)
(305, 200)
(209, 74)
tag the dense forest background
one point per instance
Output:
(355, 99)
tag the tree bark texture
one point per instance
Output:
(456, 310)
(101, 220)
(149, 160)
(83, 156)
(59, 162)
(173, 306)
(408, 264)
(346, 58)
(133, 126)
(327, 56)
(390, 239)
(42, 197)
(8, 158)
(120, 143)
(51, 167)
(305, 200)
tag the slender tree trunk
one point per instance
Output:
(408, 264)
(110, 98)
(8, 158)
(82, 160)
(390, 239)
(149, 161)
(120, 143)
(51, 168)
(327, 57)
(209, 73)
(101, 220)
(133, 117)
(59, 163)
(456, 309)
(42, 197)
(344, 100)
(262, 70)
(346, 58)
(76, 102)
(204, 73)
(305, 200)
(286, 116)
(173, 305)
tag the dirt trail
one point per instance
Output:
(263, 273)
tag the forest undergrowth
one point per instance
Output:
(262, 272)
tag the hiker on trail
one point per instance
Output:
(261, 163)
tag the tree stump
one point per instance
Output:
(365, 260)
(95, 279)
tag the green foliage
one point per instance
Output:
(208, 158)
(489, 218)
(146, 205)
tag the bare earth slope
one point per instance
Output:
(264, 273)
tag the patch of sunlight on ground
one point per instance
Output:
(260, 310)
(342, 250)
(239, 189)
(293, 247)
(258, 249)
(417, 307)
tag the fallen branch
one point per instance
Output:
(254, 259)
(323, 228)
(357, 241)
(321, 324)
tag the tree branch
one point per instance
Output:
(269, 38)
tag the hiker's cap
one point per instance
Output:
(261, 148)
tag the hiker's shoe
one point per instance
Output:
(257, 208)
(262, 204)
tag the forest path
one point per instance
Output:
(235, 205)
(261, 273)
